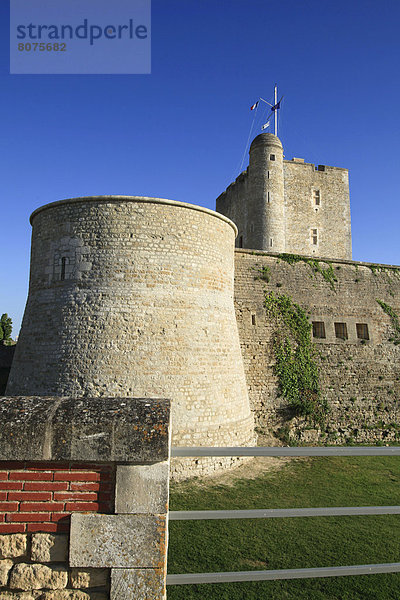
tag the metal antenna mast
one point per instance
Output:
(274, 107)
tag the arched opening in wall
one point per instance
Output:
(64, 262)
(253, 319)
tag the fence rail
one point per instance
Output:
(198, 578)
(191, 578)
(273, 513)
(286, 451)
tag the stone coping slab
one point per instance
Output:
(123, 430)
(304, 257)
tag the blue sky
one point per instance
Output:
(180, 132)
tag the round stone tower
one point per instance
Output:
(266, 194)
(133, 297)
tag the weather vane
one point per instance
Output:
(274, 108)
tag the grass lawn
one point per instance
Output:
(247, 544)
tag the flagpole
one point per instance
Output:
(275, 111)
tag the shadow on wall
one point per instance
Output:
(6, 357)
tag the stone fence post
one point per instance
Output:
(83, 498)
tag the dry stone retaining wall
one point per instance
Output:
(36, 566)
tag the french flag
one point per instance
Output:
(254, 106)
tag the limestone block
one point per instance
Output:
(89, 578)
(123, 541)
(142, 489)
(131, 584)
(37, 577)
(5, 567)
(47, 547)
(65, 595)
(12, 546)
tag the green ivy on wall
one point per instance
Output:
(264, 274)
(394, 318)
(295, 366)
(327, 273)
(395, 271)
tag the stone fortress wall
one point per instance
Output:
(289, 206)
(131, 296)
(304, 186)
(136, 294)
(359, 377)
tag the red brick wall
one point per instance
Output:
(38, 496)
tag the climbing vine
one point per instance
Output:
(264, 274)
(394, 318)
(295, 366)
(395, 271)
(327, 273)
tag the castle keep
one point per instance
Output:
(288, 205)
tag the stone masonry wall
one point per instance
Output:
(83, 507)
(6, 357)
(232, 204)
(131, 293)
(331, 218)
(359, 378)
(37, 500)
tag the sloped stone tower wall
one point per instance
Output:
(132, 297)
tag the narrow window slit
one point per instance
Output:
(63, 263)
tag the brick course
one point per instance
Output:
(41, 503)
